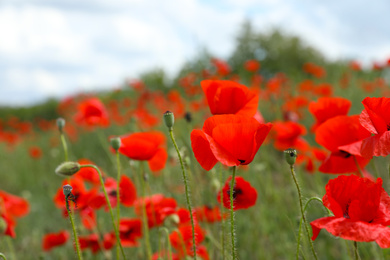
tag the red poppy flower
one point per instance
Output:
(35, 152)
(89, 174)
(12, 205)
(129, 231)
(52, 240)
(145, 146)
(288, 135)
(164, 255)
(244, 194)
(376, 119)
(314, 70)
(233, 140)
(361, 210)
(92, 242)
(252, 65)
(91, 112)
(157, 208)
(182, 239)
(342, 135)
(223, 68)
(228, 97)
(209, 214)
(328, 107)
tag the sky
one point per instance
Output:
(55, 48)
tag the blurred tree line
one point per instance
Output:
(276, 50)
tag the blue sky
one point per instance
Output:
(53, 48)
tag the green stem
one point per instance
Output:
(65, 146)
(300, 223)
(144, 216)
(232, 213)
(108, 204)
(165, 230)
(11, 247)
(302, 211)
(187, 192)
(76, 239)
(118, 165)
(222, 219)
(3, 256)
(356, 253)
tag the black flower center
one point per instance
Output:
(235, 192)
(345, 154)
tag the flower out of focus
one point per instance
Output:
(91, 112)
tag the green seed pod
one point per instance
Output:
(291, 155)
(115, 143)
(172, 220)
(67, 169)
(67, 189)
(60, 124)
(169, 120)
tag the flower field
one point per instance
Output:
(227, 163)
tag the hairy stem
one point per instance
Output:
(232, 213)
(76, 239)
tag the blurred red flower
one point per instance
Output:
(252, 65)
(314, 70)
(223, 69)
(233, 140)
(12, 207)
(361, 210)
(52, 240)
(342, 135)
(182, 239)
(91, 112)
(228, 97)
(209, 214)
(129, 231)
(244, 194)
(145, 146)
(157, 208)
(288, 135)
(92, 242)
(35, 152)
(376, 119)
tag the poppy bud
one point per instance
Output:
(172, 220)
(115, 143)
(291, 155)
(67, 189)
(60, 123)
(169, 120)
(216, 185)
(67, 169)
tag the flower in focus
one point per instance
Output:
(52, 240)
(91, 112)
(228, 97)
(233, 140)
(376, 119)
(361, 210)
(244, 195)
(147, 146)
(342, 135)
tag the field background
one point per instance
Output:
(266, 231)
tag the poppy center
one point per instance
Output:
(112, 193)
(344, 154)
(388, 127)
(241, 161)
(128, 232)
(235, 192)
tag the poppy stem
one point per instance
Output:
(144, 216)
(3, 256)
(11, 247)
(65, 146)
(360, 174)
(232, 213)
(118, 165)
(165, 230)
(108, 204)
(356, 252)
(75, 237)
(186, 190)
(302, 211)
(222, 218)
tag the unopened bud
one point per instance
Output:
(169, 120)
(67, 169)
(172, 220)
(115, 143)
(291, 155)
(60, 124)
(67, 189)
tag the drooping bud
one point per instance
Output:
(291, 155)
(115, 143)
(172, 220)
(67, 189)
(169, 120)
(67, 169)
(60, 124)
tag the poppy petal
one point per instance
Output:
(202, 151)
(157, 162)
(377, 145)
